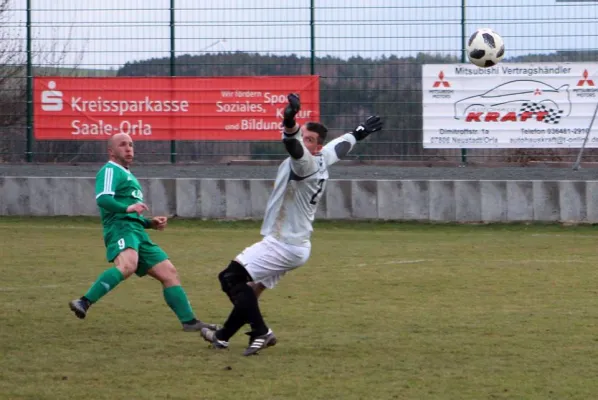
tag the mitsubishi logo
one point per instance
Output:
(585, 79)
(441, 81)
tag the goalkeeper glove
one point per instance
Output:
(372, 124)
(291, 110)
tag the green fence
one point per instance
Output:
(367, 53)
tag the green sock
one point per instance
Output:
(177, 300)
(107, 281)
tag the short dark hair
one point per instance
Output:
(318, 128)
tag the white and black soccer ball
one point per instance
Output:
(485, 48)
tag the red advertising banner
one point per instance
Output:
(169, 108)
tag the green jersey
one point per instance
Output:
(117, 181)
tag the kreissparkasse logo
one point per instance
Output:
(52, 98)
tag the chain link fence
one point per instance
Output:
(368, 56)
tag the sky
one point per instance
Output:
(106, 34)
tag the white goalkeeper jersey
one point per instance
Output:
(299, 186)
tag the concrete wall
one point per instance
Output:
(431, 200)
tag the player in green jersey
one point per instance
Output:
(120, 200)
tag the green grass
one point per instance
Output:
(380, 311)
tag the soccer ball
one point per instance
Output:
(485, 48)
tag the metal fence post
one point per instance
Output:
(585, 140)
(312, 45)
(172, 72)
(463, 58)
(29, 89)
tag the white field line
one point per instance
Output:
(98, 228)
(572, 236)
(391, 262)
(49, 286)
(481, 261)
(56, 286)
(45, 227)
(524, 261)
(394, 262)
(89, 228)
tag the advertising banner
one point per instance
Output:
(169, 108)
(540, 105)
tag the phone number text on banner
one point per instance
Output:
(540, 105)
(165, 108)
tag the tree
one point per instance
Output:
(13, 82)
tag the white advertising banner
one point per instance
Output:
(540, 105)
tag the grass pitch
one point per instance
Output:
(381, 311)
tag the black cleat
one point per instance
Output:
(258, 343)
(209, 335)
(80, 307)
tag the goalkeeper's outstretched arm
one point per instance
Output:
(292, 136)
(303, 162)
(341, 146)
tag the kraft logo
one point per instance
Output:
(584, 80)
(517, 101)
(441, 81)
(52, 99)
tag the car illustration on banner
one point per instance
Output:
(518, 97)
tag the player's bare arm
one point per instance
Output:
(159, 223)
(138, 208)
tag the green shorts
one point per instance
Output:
(132, 235)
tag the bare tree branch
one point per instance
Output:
(13, 80)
